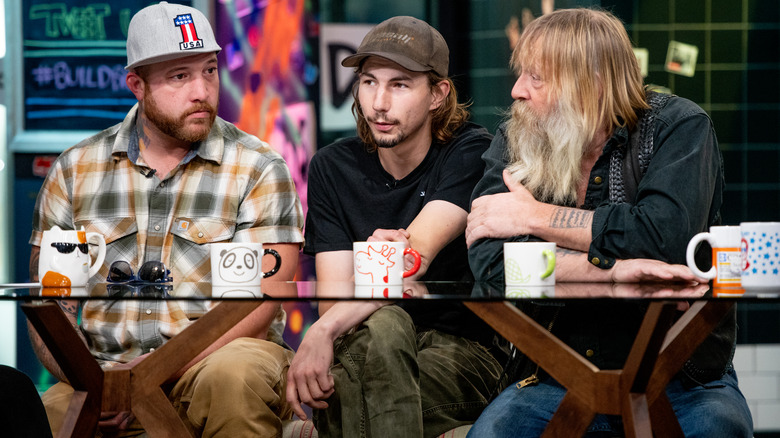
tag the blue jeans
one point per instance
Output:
(716, 410)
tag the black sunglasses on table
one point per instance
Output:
(150, 272)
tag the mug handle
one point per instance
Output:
(101, 243)
(276, 266)
(417, 262)
(550, 256)
(689, 255)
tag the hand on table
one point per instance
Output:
(501, 215)
(309, 380)
(636, 270)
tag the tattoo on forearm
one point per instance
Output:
(70, 308)
(570, 218)
(34, 260)
(562, 252)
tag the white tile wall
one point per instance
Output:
(758, 370)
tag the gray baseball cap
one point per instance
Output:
(167, 31)
(411, 43)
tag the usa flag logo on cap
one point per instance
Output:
(189, 35)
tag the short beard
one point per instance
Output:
(387, 143)
(390, 142)
(177, 127)
(546, 151)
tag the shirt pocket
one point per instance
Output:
(191, 250)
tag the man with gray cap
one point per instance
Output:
(408, 369)
(162, 186)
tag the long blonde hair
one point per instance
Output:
(586, 57)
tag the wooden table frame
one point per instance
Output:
(137, 389)
(637, 392)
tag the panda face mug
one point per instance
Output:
(240, 264)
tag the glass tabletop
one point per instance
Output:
(348, 290)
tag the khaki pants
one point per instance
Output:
(237, 391)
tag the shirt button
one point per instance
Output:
(200, 234)
(598, 180)
(589, 352)
(156, 228)
(162, 184)
(595, 261)
(148, 311)
(151, 350)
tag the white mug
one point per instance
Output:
(529, 263)
(529, 291)
(236, 292)
(64, 259)
(760, 254)
(240, 264)
(726, 257)
(382, 262)
(379, 291)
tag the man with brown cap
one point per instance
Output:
(162, 186)
(408, 369)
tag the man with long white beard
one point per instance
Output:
(620, 178)
(162, 186)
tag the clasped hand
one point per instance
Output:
(309, 380)
(501, 215)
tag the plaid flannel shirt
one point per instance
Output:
(230, 187)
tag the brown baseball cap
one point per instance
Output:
(411, 43)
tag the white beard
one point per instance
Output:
(546, 151)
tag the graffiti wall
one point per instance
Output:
(269, 79)
(269, 74)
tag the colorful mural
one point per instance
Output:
(268, 88)
(269, 72)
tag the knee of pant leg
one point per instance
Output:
(391, 319)
(389, 316)
(245, 361)
(726, 420)
(714, 411)
(731, 424)
(391, 327)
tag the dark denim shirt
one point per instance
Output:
(678, 197)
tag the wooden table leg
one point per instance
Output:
(636, 373)
(149, 402)
(137, 388)
(637, 392)
(76, 362)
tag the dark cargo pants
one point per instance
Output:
(395, 381)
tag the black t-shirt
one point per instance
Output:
(350, 195)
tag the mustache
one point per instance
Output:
(381, 119)
(202, 106)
